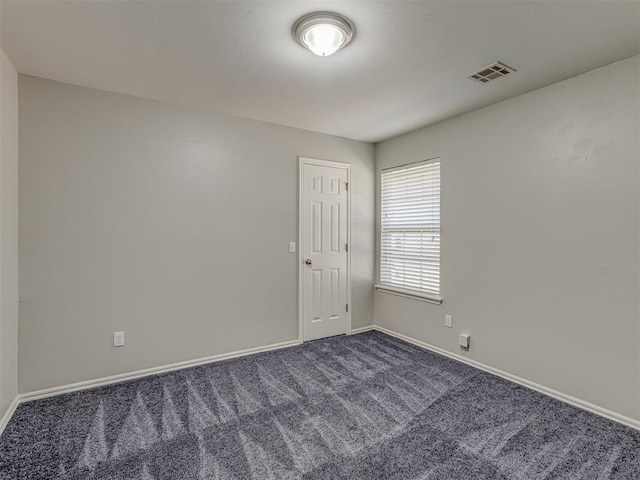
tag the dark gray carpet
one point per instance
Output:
(366, 406)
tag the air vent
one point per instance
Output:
(493, 71)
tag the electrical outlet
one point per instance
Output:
(118, 339)
(464, 340)
(447, 321)
(292, 247)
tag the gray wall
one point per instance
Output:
(171, 224)
(539, 236)
(8, 234)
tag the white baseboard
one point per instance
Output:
(368, 328)
(576, 402)
(4, 421)
(98, 382)
(50, 392)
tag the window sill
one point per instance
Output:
(423, 297)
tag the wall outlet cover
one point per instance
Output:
(447, 321)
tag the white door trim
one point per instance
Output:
(325, 163)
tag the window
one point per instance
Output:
(410, 237)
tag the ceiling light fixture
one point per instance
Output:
(324, 33)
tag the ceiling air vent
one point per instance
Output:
(491, 72)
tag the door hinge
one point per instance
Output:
(346, 247)
(347, 307)
(346, 186)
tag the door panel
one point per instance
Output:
(324, 236)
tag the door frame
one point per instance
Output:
(302, 161)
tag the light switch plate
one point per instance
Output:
(447, 321)
(118, 339)
(292, 247)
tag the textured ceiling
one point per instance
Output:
(406, 67)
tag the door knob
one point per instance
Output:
(308, 262)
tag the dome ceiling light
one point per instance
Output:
(324, 33)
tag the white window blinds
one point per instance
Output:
(410, 250)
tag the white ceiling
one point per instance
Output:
(405, 68)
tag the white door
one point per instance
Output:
(324, 256)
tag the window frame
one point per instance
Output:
(396, 290)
